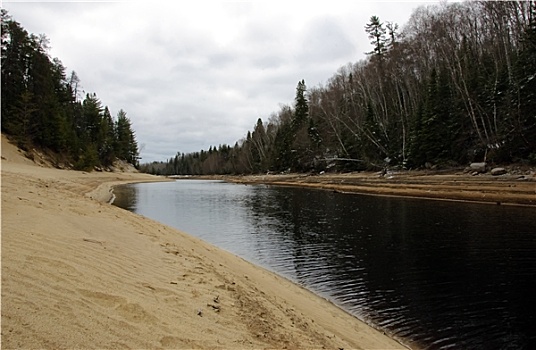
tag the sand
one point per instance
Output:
(79, 273)
(515, 188)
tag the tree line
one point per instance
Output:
(41, 106)
(456, 84)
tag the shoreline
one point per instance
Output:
(401, 341)
(512, 190)
(79, 273)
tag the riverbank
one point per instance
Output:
(78, 273)
(508, 189)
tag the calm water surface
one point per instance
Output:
(435, 274)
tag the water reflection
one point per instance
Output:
(438, 274)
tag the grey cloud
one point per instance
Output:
(325, 41)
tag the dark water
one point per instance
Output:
(437, 275)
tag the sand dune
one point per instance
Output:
(79, 273)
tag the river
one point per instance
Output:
(433, 274)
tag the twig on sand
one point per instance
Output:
(92, 241)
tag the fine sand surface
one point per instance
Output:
(79, 273)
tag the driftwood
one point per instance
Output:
(344, 159)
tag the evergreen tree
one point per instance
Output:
(21, 114)
(373, 141)
(126, 146)
(299, 137)
(108, 137)
(432, 140)
(48, 128)
(282, 155)
(376, 34)
(92, 118)
(301, 107)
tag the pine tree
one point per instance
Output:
(376, 34)
(48, 127)
(299, 141)
(282, 152)
(301, 107)
(373, 141)
(107, 135)
(92, 118)
(126, 145)
(435, 126)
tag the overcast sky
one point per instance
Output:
(191, 74)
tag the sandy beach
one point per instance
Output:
(79, 273)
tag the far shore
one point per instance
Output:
(509, 189)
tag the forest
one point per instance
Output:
(454, 85)
(42, 107)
